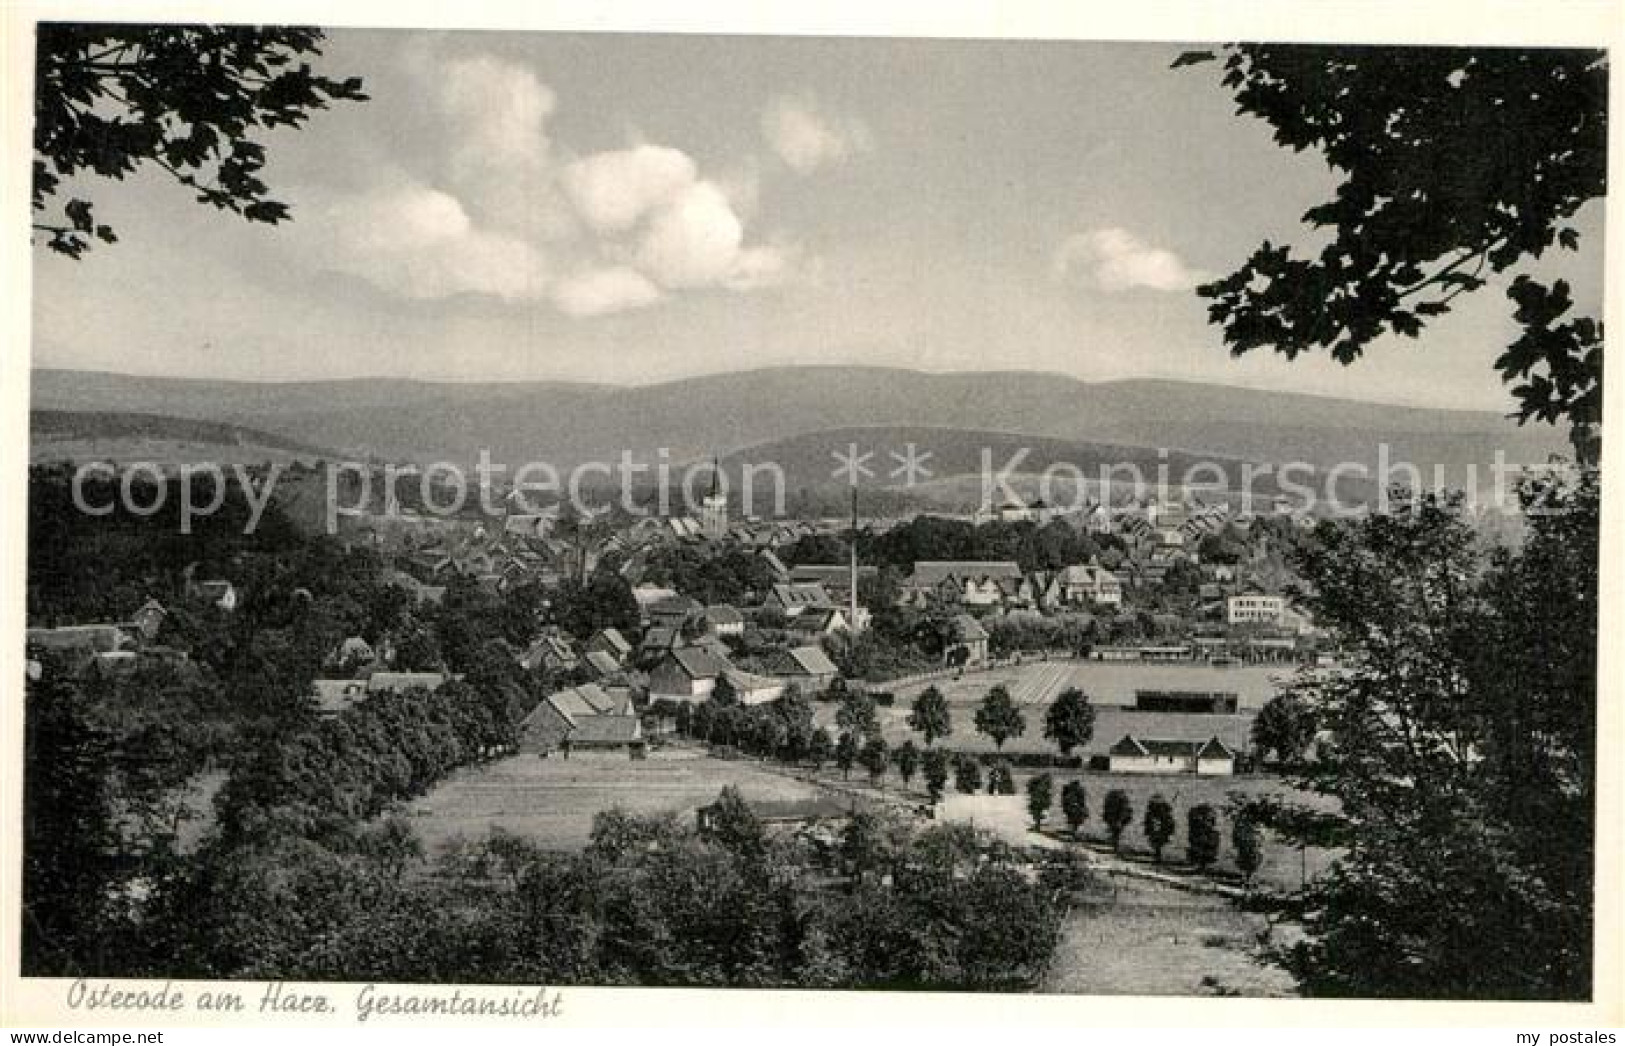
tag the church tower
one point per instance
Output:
(714, 509)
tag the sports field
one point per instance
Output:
(551, 802)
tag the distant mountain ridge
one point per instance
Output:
(130, 436)
(566, 423)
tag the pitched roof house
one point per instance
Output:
(1207, 758)
(836, 578)
(808, 667)
(551, 653)
(149, 619)
(1087, 584)
(686, 674)
(725, 620)
(583, 718)
(611, 642)
(972, 638)
(793, 598)
(967, 582)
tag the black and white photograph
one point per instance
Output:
(518, 510)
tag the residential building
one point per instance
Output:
(1254, 609)
(222, 594)
(795, 598)
(750, 689)
(725, 620)
(686, 674)
(148, 621)
(807, 667)
(818, 623)
(836, 578)
(961, 582)
(972, 638)
(550, 653)
(609, 641)
(1087, 585)
(673, 612)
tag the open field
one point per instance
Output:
(1144, 938)
(551, 802)
(1111, 690)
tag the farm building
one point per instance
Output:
(780, 816)
(748, 688)
(686, 674)
(1206, 758)
(585, 718)
(807, 667)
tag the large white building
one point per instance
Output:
(1255, 610)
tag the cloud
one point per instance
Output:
(492, 206)
(694, 241)
(613, 190)
(500, 108)
(1115, 259)
(420, 243)
(757, 268)
(807, 138)
(600, 291)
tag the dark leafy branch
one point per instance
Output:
(1453, 162)
(186, 99)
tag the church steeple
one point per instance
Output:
(714, 509)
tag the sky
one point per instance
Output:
(632, 208)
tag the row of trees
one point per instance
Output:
(1203, 836)
(355, 765)
(1069, 721)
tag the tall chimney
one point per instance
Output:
(852, 621)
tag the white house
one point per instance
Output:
(1208, 758)
(1255, 610)
(1090, 584)
(969, 583)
